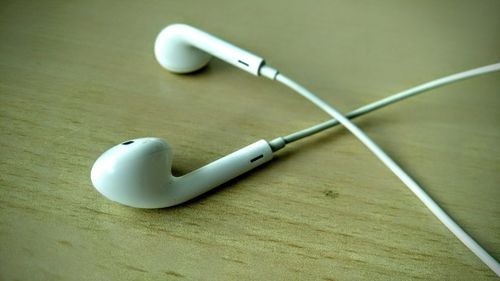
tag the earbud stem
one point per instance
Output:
(220, 171)
(221, 49)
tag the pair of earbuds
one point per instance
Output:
(137, 173)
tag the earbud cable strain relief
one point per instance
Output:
(277, 144)
(268, 71)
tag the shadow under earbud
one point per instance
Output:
(214, 66)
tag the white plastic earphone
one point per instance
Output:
(137, 173)
(181, 48)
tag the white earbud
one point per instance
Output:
(138, 173)
(181, 48)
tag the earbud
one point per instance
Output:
(138, 173)
(181, 48)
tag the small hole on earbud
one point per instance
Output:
(128, 142)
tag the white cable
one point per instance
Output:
(392, 99)
(400, 173)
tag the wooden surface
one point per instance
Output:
(77, 77)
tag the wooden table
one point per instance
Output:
(77, 77)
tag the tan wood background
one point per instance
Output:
(77, 77)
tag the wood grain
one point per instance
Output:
(77, 77)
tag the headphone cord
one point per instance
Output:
(393, 166)
(280, 142)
